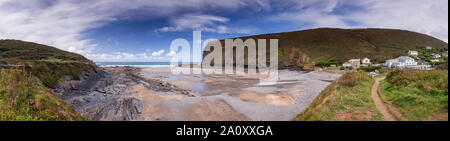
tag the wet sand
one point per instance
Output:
(229, 97)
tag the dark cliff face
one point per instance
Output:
(307, 47)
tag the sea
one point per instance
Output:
(142, 65)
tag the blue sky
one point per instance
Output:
(142, 30)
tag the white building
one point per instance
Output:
(435, 60)
(352, 64)
(366, 62)
(348, 66)
(355, 62)
(389, 63)
(428, 47)
(401, 61)
(436, 56)
(413, 53)
(419, 67)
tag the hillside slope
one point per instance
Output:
(47, 63)
(19, 50)
(27, 71)
(345, 99)
(417, 95)
(24, 98)
(308, 47)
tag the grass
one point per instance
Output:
(47, 63)
(418, 95)
(369, 68)
(24, 98)
(347, 98)
(20, 50)
(51, 72)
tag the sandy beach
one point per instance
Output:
(227, 97)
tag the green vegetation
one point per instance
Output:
(427, 55)
(418, 95)
(328, 63)
(347, 98)
(51, 72)
(443, 66)
(20, 50)
(49, 64)
(369, 68)
(24, 98)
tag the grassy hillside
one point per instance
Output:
(418, 95)
(347, 98)
(24, 95)
(24, 98)
(47, 63)
(20, 50)
(308, 47)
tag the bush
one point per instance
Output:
(23, 97)
(328, 63)
(351, 79)
(51, 72)
(369, 68)
(418, 94)
(443, 66)
(425, 80)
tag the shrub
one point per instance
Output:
(443, 66)
(418, 94)
(351, 79)
(425, 80)
(328, 63)
(23, 97)
(51, 72)
(369, 68)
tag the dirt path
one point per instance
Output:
(378, 103)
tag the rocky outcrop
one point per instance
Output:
(129, 108)
(298, 57)
(105, 94)
(99, 94)
(295, 61)
(114, 109)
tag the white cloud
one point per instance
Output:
(429, 17)
(122, 56)
(171, 53)
(158, 53)
(207, 23)
(62, 23)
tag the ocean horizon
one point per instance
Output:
(142, 65)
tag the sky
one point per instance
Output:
(142, 30)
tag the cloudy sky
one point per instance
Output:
(142, 30)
